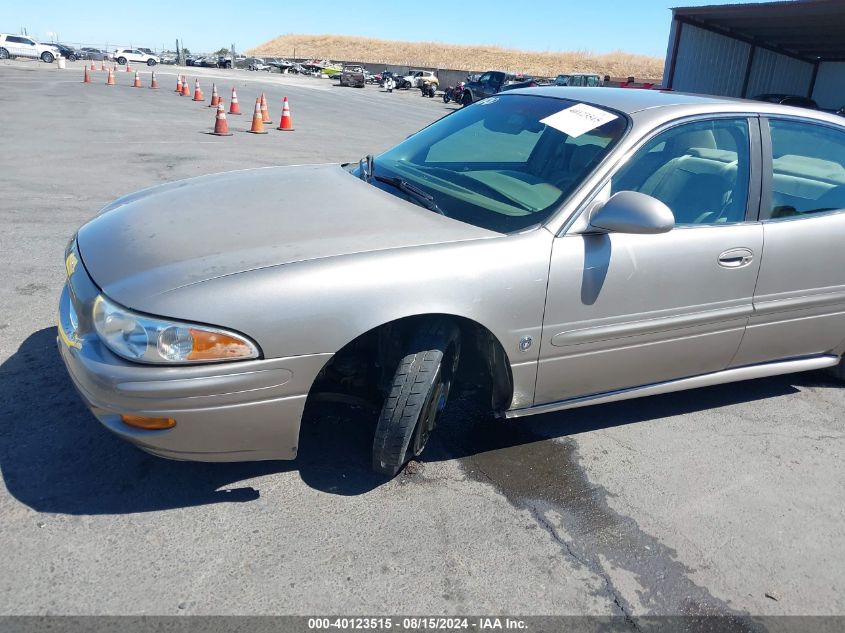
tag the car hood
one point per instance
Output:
(190, 231)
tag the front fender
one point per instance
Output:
(319, 306)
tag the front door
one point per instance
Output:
(627, 310)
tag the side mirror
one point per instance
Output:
(633, 212)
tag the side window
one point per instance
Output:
(808, 169)
(699, 170)
(14, 39)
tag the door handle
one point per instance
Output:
(736, 258)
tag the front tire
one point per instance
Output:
(151, 62)
(418, 395)
(47, 57)
(121, 60)
(466, 99)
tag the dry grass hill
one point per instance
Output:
(460, 57)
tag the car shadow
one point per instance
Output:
(55, 457)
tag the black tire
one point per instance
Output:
(445, 97)
(431, 92)
(72, 58)
(466, 98)
(417, 397)
(151, 62)
(121, 60)
(47, 57)
(4, 54)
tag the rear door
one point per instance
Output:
(627, 310)
(799, 304)
(20, 46)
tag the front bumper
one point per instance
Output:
(237, 411)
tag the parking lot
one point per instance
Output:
(725, 500)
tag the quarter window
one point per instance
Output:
(699, 170)
(808, 169)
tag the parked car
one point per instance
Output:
(148, 51)
(124, 55)
(93, 54)
(353, 76)
(276, 62)
(578, 80)
(559, 246)
(21, 46)
(492, 82)
(415, 79)
(256, 63)
(791, 100)
(68, 52)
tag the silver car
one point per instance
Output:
(570, 246)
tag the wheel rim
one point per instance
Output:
(435, 402)
(434, 405)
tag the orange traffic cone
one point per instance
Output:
(234, 107)
(215, 98)
(197, 92)
(93, 67)
(115, 68)
(257, 119)
(137, 82)
(265, 113)
(286, 124)
(186, 92)
(103, 64)
(221, 125)
(179, 84)
(110, 79)
(153, 82)
(87, 78)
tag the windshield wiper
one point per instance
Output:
(365, 168)
(421, 197)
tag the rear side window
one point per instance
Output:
(807, 170)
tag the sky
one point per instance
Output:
(634, 26)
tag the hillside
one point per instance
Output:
(460, 57)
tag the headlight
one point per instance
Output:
(150, 340)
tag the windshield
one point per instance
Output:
(505, 163)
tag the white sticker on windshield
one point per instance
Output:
(487, 101)
(578, 119)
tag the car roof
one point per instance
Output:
(633, 100)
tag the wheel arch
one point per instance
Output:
(482, 354)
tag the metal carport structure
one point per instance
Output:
(794, 47)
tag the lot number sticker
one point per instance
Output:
(578, 119)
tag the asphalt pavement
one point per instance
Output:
(725, 500)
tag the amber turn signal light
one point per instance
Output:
(150, 424)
